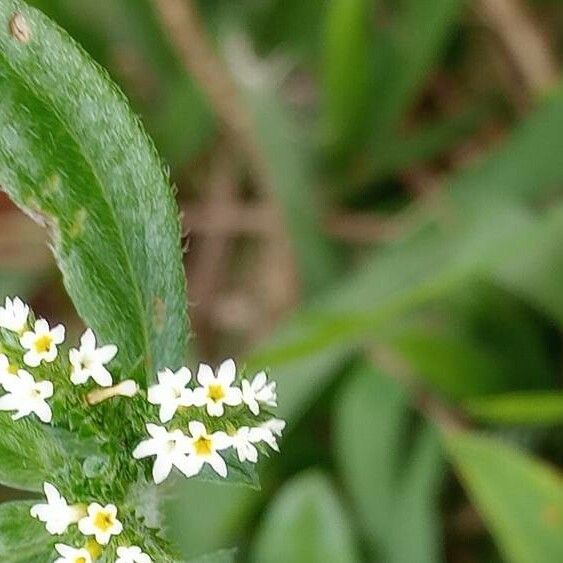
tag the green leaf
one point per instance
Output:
(223, 556)
(23, 539)
(28, 453)
(520, 498)
(74, 156)
(393, 489)
(518, 408)
(305, 523)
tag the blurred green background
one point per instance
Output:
(372, 195)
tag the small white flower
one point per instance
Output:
(25, 396)
(170, 449)
(41, 344)
(14, 314)
(203, 448)
(101, 522)
(72, 554)
(259, 391)
(244, 441)
(273, 427)
(7, 370)
(132, 554)
(89, 361)
(171, 392)
(215, 392)
(57, 515)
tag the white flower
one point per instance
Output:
(203, 448)
(25, 396)
(217, 391)
(89, 361)
(244, 441)
(259, 391)
(170, 449)
(56, 514)
(7, 370)
(171, 392)
(132, 554)
(42, 343)
(273, 427)
(13, 316)
(72, 554)
(101, 522)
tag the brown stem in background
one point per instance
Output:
(524, 41)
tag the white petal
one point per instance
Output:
(27, 339)
(215, 409)
(88, 340)
(205, 374)
(259, 380)
(167, 411)
(106, 354)
(58, 334)
(43, 411)
(218, 464)
(102, 376)
(146, 448)
(233, 397)
(9, 403)
(183, 376)
(161, 469)
(221, 441)
(227, 372)
(197, 429)
(45, 388)
(41, 326)
(31, 359)
(199, 397)
(189, 465)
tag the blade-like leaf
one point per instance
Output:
(518, 408)
(306, 523)
(28, 454)
(520, 498)
(22, 538)
(73, 155)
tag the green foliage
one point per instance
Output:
(105, 198)
(520, 498)
(23, 540)
(306, 523)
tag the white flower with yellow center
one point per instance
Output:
(41, 343)
(216, 391)
(71, 554)
(14, 315)
(170, 449)
(244, 439)
(101, 522)
(89, 361)
(259, 391)
(57, 515)
(7, 369)
(132, 554)
(25, 396)
(204, 448)
(171, 392)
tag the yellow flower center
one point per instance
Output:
(43, 344)
(80, 559)
(215, 392)
(103, 521)
(203, 446)
(93, 548)
(13, 369)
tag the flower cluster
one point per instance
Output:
(215, 420)
(211, 399)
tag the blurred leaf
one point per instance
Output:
(348, 72)
(224, 556)
(306, 522)
(23, 539)
(393, 489)
(109, 206)
(520, 498)
(517, 408)
(28, 454)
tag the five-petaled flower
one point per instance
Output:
(259, 391)
(41, 343)
(133, 554)
(204, 448)
(171, 392)
(7, 369)
(101, 522)
(14, 315)
(170, 449)
(216, 391)
(71, 554)
(88, 361)
(57, 515)
(25, 396)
